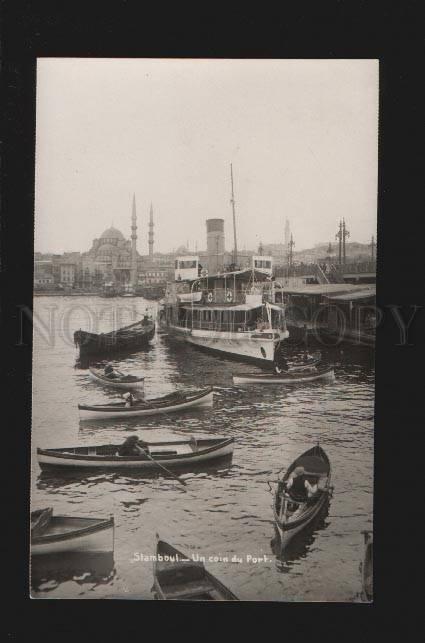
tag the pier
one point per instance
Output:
(343, 312)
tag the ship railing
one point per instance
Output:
(232, 327)
(232, 296)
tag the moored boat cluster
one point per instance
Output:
(298, 496)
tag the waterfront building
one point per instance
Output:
(343, 311)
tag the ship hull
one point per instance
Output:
(256, 347)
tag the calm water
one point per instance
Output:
(226, 510)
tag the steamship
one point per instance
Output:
(230, 312)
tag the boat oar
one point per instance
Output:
(173, 475)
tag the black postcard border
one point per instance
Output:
(126, 29)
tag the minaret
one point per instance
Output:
(338, 237)
(133, 244)
(345, 233)
(290, 252)
(287, 238)
(151, 233)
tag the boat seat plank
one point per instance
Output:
(175, 573)
(187, 590)
(162, 453)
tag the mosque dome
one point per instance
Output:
(112, 233)
(108, 249)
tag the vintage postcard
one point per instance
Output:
(204, 329)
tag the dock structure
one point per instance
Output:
(342, 312)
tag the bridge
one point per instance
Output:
(329, 273)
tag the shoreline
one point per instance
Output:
(81, 294)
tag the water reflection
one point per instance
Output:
(49, 571)
(97, 361)
(300, 545)
(56, 478)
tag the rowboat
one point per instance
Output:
(127, 382)
(170, 454)
(130, 337)
(310, 375)
(293, 513)
(367, 566)
(56, 534)
(308, 364)
(178, 577)
(177, 401)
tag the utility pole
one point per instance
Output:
(372, 248)
(133, 271)
(150, 242)
(286, 240)
(338, 237)
(345, 233)
(216, 247)
(232, 201)
(290, 253)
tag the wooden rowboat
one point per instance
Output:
(167, 404)
(367, 566)
(293, 513)
(176, 453)
(309, 375)
(57, 534)
(127, 382)
(131, 337)
(178, 577)
(305, 365)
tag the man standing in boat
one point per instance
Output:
(146, 318)
(280, 364)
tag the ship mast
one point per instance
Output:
(232, 201)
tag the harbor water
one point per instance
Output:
(225, 512)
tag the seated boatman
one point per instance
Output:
(296, 482)
(110, 371)
(129, 399)
(133, 446)
(299, 484)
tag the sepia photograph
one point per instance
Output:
(204, 323)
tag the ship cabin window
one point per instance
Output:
(184, 265)
(262, 263)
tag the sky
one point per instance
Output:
(302, 136)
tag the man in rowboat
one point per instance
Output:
(146, 318)
(299, 484)
(129, 399)
(133, 446)
(111, 372)
(279, 363)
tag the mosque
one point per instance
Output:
(113, 258)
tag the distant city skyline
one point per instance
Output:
(301, 134)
